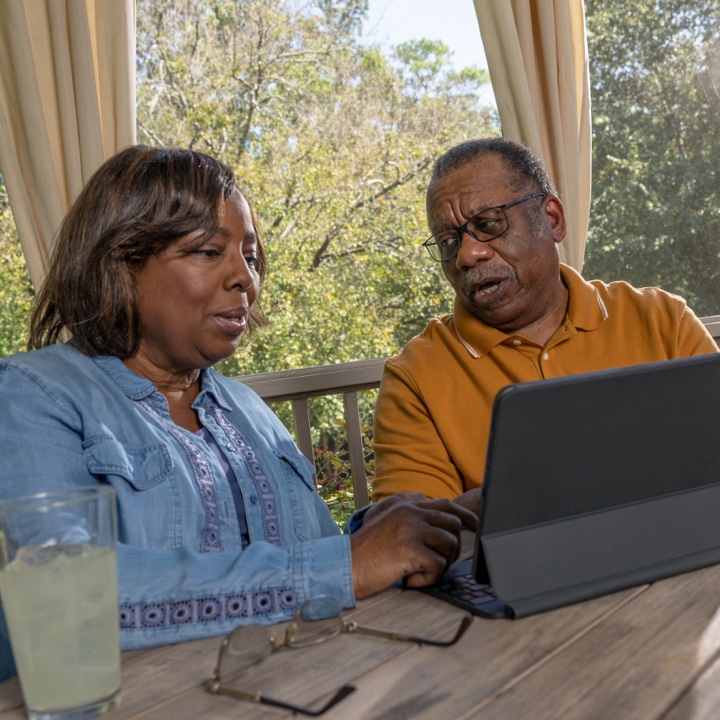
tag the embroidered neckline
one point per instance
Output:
(268, 503)
(211, 540)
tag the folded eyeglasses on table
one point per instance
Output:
(315, 621)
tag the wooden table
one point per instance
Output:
(648, 652)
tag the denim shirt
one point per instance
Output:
(67, 419)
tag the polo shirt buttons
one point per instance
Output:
(517, 342)
(546, 356)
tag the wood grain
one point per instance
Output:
(651, 653)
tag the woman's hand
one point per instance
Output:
(408, 536)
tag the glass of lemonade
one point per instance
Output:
(58, 586)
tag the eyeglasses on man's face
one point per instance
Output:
(315, 621)
(487, 225)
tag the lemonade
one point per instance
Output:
(61, 604)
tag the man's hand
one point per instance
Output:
(408, 536)
(469, 518)
(470, 500)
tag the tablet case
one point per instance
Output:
(601, 481)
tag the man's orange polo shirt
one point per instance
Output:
(432, 417)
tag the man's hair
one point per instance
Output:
(519, 159)
(137, 204)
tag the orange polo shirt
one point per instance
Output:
(432, 417)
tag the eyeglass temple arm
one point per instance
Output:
(214, 686)
(352, 627)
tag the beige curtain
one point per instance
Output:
(67, 102)
(537, 57)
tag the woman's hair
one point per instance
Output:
(137, 204)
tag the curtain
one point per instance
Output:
(537, 57)
(67, 103)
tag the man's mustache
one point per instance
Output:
(476, 277)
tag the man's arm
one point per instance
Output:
(693, 336)
(410, 455)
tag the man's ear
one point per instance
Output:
(555, 213)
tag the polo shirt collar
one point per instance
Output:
(586, 310)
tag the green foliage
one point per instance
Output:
(655, 214)
(334, 475)
(16, 292)
(425, 66)
(332, 142)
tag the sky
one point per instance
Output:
(454, 22)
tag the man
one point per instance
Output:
(519, 315)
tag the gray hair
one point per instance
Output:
(519, 159)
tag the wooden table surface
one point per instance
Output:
(648, 652)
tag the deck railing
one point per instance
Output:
(297, 386)
(346, 379)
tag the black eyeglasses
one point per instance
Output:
(487, 225)
(316, 620)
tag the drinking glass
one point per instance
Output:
(58, 586)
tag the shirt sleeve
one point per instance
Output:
(168, 597)
(356, 520)
(693, 337)
(410, 455)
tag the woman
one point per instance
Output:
(156, 271)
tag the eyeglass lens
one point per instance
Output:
(316, 620)
(248, 645)
(485, 227)
(242, 650)
(489, 225)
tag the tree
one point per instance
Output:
(655, 218)
(16, 292)
(332, 141)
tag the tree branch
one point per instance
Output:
(361, 201)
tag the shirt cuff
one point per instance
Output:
(356, 520)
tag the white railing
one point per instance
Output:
(712, 323)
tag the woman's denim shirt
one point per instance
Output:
(67, 419)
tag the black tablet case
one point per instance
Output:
(601, 481)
